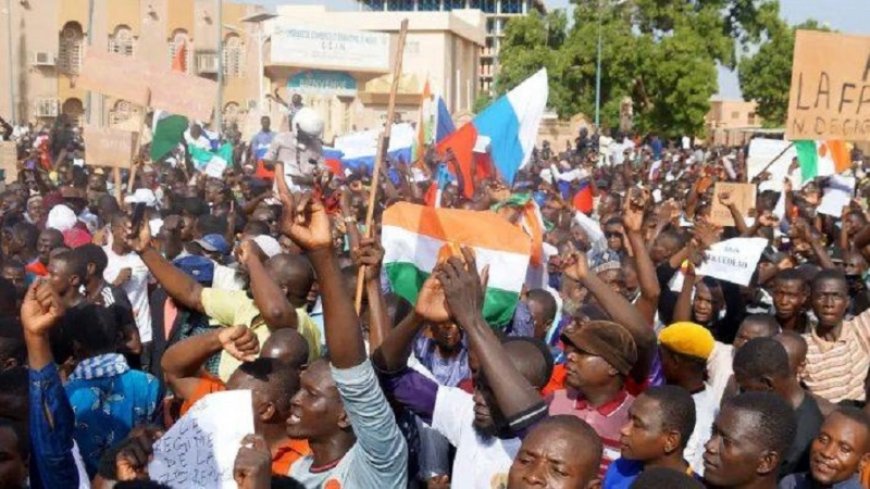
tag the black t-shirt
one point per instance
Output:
(809, 422)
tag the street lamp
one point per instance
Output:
(598, 66)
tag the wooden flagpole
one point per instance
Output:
(383, 144)
(136, 160)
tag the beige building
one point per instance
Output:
(49, 38)
(497, 13)
(731, 122)
(441, 48)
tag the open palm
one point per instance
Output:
(304, 218)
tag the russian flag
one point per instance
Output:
(359, 148)
(443, 121)
(510, 124)
(583, 198)
(332, 160)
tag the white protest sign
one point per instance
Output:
(838, 193)
(200, 448)
(733, 260)
(761, 152)
(215, 168)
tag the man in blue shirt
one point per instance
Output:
(261, 141)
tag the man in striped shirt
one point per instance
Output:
(838, 350)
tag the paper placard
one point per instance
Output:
(838, 194)
(9, 160)
(830, 87)
(108, 146)
(200, 448)
(761, 152)
(743, 195)
(131, 79)
(183, 94)
(733, 260)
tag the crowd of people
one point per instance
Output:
(120, 310)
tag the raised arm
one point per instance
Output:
(182, 362)
(304, 220)
(369, 254)
(617, 307)
(463, 291)
(727, 200)
(179, 285)
(683, 307)
(271, 301)
(632, 220)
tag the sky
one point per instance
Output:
(847, 16)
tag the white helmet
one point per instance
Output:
(307, 120)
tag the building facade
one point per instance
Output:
(497, 12)
(731, 122)
(322, 56)
(43, 42)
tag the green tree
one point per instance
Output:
(765, 76)
(660, 53)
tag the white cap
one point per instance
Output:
(308, 121)
(268, 244)
(142, 196)
(61, 217)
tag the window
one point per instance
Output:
(429, 5)
(122, 41)
(735, 115)
(180, 51)
(71, 44)
(375, 5)
(511, 6)
(74, 110)
(487, 6)
(400, 5)
(234, 56)
(454, 4)
(121, 112)
(751, 118)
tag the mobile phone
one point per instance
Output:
(138, 216)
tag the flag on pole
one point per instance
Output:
(168, 132)
(443, 121)
(510, 126)
(425, 125)
(179, 61)
(822, 158)
(415, 236)
(203, 158)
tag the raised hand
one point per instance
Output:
(464, 288)
(369, 254)
(240, 342)
(576, 266)
(303, 219)
(253, 466)
(632, 213)
(131, 461)
(41, 309)
(707, 234)
(249, 249)
(726, 199)
(137, 239)
(431, 304)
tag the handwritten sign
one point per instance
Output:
(124, 77)
(146, 84)
(743, 195)
(733, 260)
(109, 147)
(183, 94)
(200, 448)
(9, 160)
(830, 87)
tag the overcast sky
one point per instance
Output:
(848, 16)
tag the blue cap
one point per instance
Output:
(198, 267)
(214, 243)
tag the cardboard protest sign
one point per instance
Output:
(733, 260)
(838, 193)
(830, 87)
(183, 94)
(109, 147)
(743, 195)
(9, 160)
(124, 77)
(200, 448)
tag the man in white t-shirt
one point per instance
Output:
(126, 269)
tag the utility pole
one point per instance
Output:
(218, 113)
(11, 62)
(598, 75)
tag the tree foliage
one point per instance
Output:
(765, 76)
(660, 53)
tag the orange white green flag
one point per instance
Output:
(822, 158)
(415, 237)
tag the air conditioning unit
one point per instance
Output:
(206, 64)
(47, 107)
(43, 58)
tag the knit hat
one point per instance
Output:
(605, 339)
(688, 339)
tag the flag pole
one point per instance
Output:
(383, 144)
(774, 159)
(138, 146)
